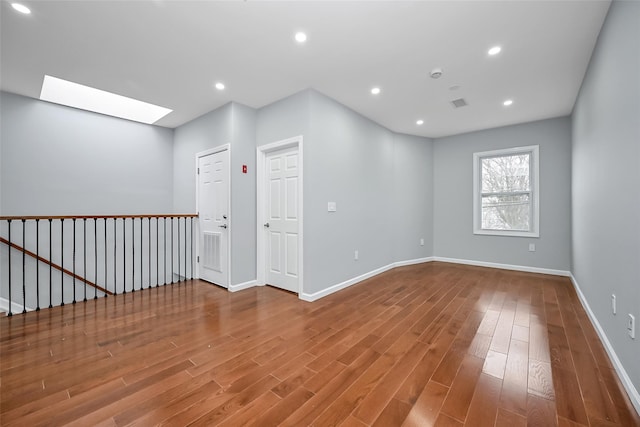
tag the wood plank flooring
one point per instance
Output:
(427, 345)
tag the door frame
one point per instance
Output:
(218, 149)
(261, 262)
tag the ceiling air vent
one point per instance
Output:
(460, 102)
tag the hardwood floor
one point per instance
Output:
(431, 344)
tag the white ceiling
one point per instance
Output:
(171, 53)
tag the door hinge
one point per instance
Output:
(198, 258)
(198, 171)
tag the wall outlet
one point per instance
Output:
(332, 206)
(421, 242)
(613, 303)
(631, 326)
(532, 247)
(355, 255)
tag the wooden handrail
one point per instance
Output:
(32, 217)
(56, 266)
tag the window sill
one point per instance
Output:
(507, 233)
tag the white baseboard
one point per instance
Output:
(15, 307)
(335, 288)
(241, 286)
(634, 396)
(413, 261)
(504, 266)
(353, 281)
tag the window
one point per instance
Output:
(505, 196)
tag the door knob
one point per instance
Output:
(223, 226)
(266, 224)
(224, 217)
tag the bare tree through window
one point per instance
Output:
(506, 192)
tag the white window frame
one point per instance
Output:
(533, 151)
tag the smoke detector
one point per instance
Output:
(436, 73)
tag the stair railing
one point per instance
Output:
(94, 256)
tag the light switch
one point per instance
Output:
(331, 206)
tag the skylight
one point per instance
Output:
(99, 101)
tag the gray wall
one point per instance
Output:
(412, 209)
(243, 194)
(233, 124)
(349, 161)
(59, 160)
(284, 119)
(453, 196)
(207, 131)
(380, 181)
(606, 175)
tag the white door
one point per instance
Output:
(282, 212)
(213, 210)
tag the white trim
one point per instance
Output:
(535, 191)
(506, 233)
(242, 286)
(525, 268)
(634, 396)
(338, 287)
(354, 280)
(218, 149)
(345, 284)
(15, 307)
(261, 156)
(280, 145)
(413, 261)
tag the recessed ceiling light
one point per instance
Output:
(220, 86)
(375, 90)
(420, 122)
(495, 50)
(301, 37)
(21, 8)
(99, 101)
(507, 102)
